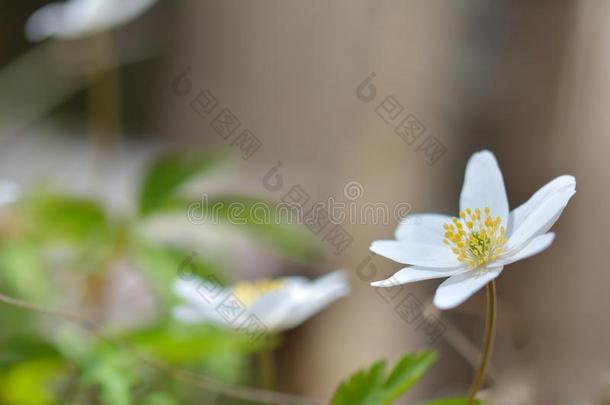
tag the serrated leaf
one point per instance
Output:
(410, 369)
(372, 387)
(362, 388)
(166, 175)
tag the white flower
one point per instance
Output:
(270, 305)
(9, 192)
(473, 249)
(78, 18)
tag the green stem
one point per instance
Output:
(266, 369)
(490, 327)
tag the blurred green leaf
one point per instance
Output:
(189, 344)
(112, 372)
(21, 348)
(371, 387)
(21, 269)
(159, 398)
(31, 382)
(162, 264)
(219, 353)
(66, 217)
(166, 175)
(263, 220)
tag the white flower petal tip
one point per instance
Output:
(484, 186)
(413, 274)
(537, 215)
(471, 249)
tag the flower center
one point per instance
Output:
(248, 292)
(475, 240)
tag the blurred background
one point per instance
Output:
(107, 111)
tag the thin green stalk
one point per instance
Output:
(266, 369)
(490, 327)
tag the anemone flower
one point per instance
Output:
(79, 18)
(269, 305)
(471, 249)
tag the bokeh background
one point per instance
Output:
(83, 120)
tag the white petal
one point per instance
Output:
(457, 289)
(538, 215)
(192, 314)
(519, 214)
(199, 293)
(484, 186)
(292, 306)
(320, 294)
(76, 18)
(273, 309)
(414, 273)
(422, 228)
(418, 254)
(537, 245)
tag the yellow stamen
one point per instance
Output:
(248, 292)
(476, 241)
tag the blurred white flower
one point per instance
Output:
(473, 249)
(78, 18)
(271, 305)
(9, 192)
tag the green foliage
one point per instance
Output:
(21, 270)
(162, 264)
(31, 382)
(372, 386)
(263, 221)
(54, 237)
(166, 175)
(112, 373)
(66, 218)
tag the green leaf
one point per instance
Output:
(162, 264)
(166, 175)
(362, 388)
(64, 217)
(220, 353)
(451, 401)
(112, 372)
(160, 398)
(407, 372)
(20, 348)
(31, 382)
(263, 220)
(22, 270)
(372, 387)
